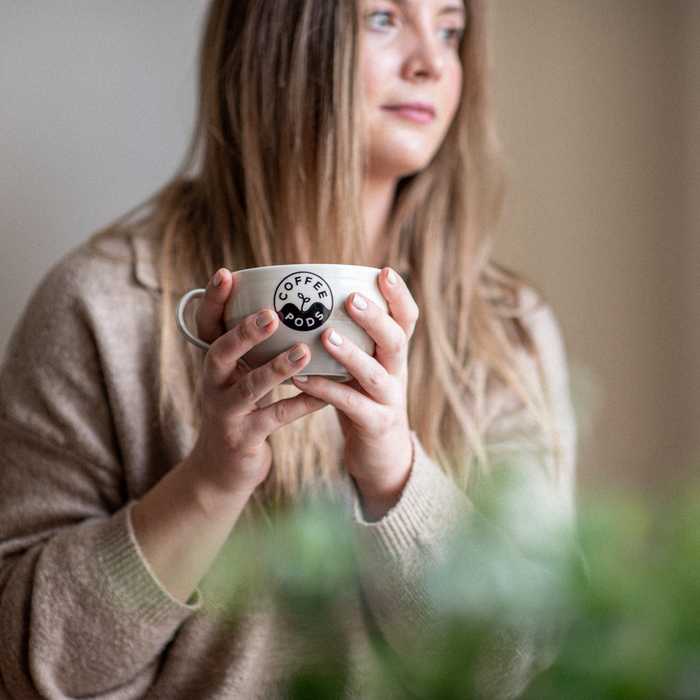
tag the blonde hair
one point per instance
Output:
(251, 193)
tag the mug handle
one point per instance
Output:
(180, 316)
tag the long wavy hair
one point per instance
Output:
(273, 174)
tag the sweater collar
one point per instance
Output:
(145, 268)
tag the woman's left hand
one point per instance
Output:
(372, 407)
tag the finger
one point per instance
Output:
(245, 393)
(265, 400)
(210, 311)
(359, 408)
(402, 305)
(267, 420)
(368, 372)
(241, 369)
(227, 350)
(389, 337)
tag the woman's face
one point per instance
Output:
(409, 53)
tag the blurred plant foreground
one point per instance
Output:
(616, 603)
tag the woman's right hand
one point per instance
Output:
(232, 451)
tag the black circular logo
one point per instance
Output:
(303, 301)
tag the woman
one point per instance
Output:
(130, 457)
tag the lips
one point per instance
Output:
(422, 107)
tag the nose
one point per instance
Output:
(425, 58)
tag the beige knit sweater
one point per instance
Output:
(81, 614)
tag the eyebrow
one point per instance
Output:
(447, 9)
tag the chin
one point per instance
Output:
(400, 165)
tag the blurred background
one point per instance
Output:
(599, 111)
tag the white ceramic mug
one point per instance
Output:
(307, 298)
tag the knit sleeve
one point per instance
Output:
(402, 553)
(80, 612)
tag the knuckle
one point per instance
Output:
(244, 332)
(311, 402)
(246, 388)
(215, 358)
(257, 425)
(232, 436)
(353, 353)
(397, 344)
(281, 412)
(377, 377)
(351, 402)
(280, 365)
(246, 447)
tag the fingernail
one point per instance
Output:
(358, 302)
(265, 318)
(218, 279)
(391, 277)
(296, 353)
(301, 378)
(335, 338)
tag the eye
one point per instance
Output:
(455, 34)
(369, 15)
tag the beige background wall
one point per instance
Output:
(599, 112)
(97, 102)
(690, 357)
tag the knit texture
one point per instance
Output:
(81, 612)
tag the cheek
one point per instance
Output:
(454, 91)
(376, 72)
(371, 91)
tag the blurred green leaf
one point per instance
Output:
(623, 590)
